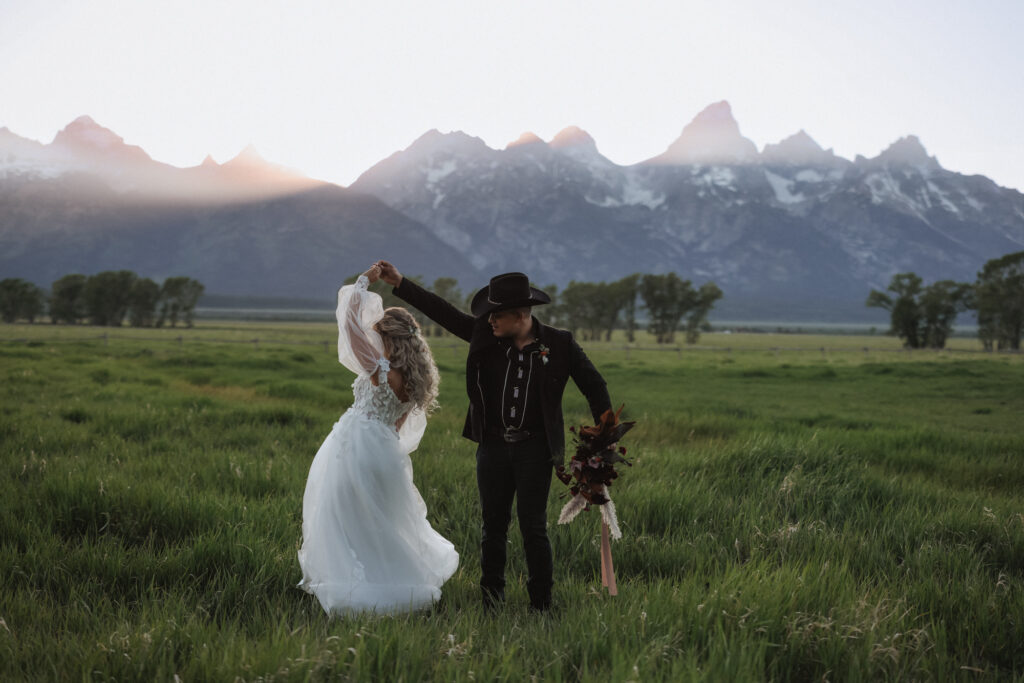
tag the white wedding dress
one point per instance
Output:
(366, 541)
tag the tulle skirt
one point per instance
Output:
(366, 542)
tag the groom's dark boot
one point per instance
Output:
(493, 599)
(540, 603)
(540, 567)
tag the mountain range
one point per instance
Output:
(791, 232)
(87, 202)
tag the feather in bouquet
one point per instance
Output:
(592, 469)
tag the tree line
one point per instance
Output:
(591, 310)
(923, 315)
(105, 298)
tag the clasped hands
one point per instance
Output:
(382, 270)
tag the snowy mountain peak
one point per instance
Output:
(712, 137)
(907, 150)
(434, 140)
(798, 149)
(431, 137)
(572, 136)
(801, 140)
(527, 138)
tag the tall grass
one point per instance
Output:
(793, 515)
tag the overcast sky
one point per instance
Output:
(332, 87)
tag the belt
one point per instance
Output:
(512, 435)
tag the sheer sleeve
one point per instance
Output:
(360, 348)
(411, 431)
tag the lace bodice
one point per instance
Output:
(378, 402)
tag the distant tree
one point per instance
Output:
(940, 303)
(572, 307)
(142, 303)
(67, 300)
(178, 299)
(554, 312)
(904, 311)
(191, 292)
(667, 299)
(610, 303)
(170, 302)
(626, 291)
(585, 306)
(20, 300)
(448, 289)
(697, 319)
(921, 316)
(998, 297)
(107, 296)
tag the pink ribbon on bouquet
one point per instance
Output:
(609, 530)
(607, 569)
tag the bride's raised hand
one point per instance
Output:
(373, 273)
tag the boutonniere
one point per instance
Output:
(544, 353)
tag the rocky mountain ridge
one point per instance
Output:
(791, 227)
(793, 232)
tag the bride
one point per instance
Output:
(366, 542)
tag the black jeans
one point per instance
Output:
(522, 471)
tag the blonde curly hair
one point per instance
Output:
(409, 353)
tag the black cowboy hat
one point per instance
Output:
(509, 290)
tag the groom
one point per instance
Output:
(516, 371)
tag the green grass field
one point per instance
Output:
(824, 513)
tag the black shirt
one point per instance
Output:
(510, 386)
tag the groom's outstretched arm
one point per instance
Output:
(434, 307)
